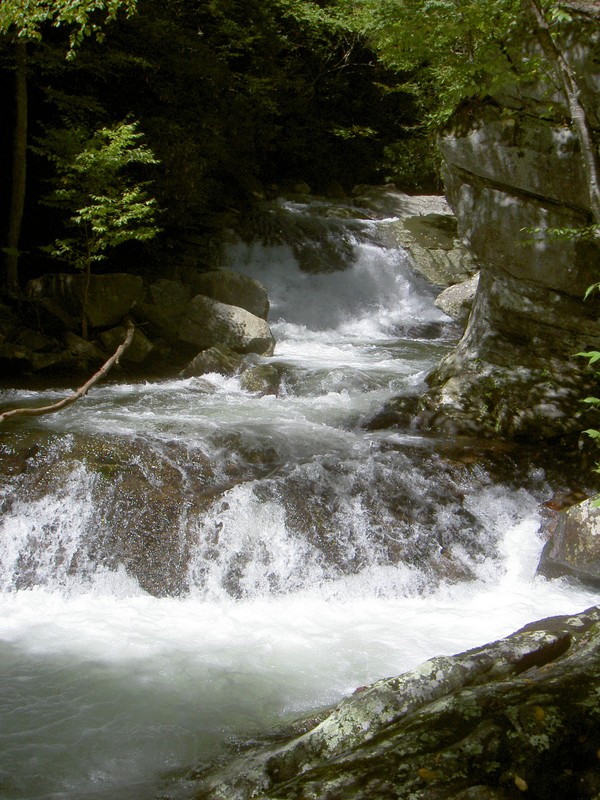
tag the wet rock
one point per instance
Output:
(137, 352)
(432, 240)
(143, 500)
(518, 715)
(209, 322)
(262, 378)
(219, 359)
(9, 322)
(14, 358)
(234, 289)
(513, 374)
(426, 227)
(41, 362)
(457, 300)
(24, 348)
(397, 412)
(574, 546)
(52, 317)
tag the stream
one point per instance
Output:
(186, 564)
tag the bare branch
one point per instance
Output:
(79, 393)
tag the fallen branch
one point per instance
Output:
(79, 393)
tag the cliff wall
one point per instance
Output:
(513, 166)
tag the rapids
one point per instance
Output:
(186, 564)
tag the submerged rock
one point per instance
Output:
(516, 716)
(262, 378)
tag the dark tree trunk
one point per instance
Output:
(19, 173)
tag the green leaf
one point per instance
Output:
(592, 355)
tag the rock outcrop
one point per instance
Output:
(234, 289)
(516, 718)
(104, 302)
(208, 322)
(513, 170)
(174, 320)
(574, 545)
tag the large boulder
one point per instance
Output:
(234, 289)
(515, 718)
(209, 322)
(109, 297)
(218, 358)
(137, 352)
(164, 307)
(425, 226)
(574, 545)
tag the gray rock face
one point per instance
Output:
(510, 171)
(457, 300)
(518, 715)
(574, 546)
(164, 307)
(219, 359)
(137, 352)
(427, 229)
(234, 289)
(208, 322)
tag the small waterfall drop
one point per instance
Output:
(189, 562)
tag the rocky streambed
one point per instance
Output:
(519, 717)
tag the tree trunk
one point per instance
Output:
(19, 172)
(579, 117)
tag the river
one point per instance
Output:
(185, 564)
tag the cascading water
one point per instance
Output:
(187, 563)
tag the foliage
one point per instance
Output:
(105, 203)
(593, 357)
(458, 49)
(25, 19)
(413, 162)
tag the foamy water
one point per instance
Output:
(295, 590)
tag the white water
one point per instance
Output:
(104, 688)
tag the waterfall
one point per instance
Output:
(187, 563)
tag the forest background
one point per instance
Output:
(234, 100)
(155, 125)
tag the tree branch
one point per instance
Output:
(79, 393)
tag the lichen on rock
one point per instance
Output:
(518, 715)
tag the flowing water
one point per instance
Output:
(186, 564)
